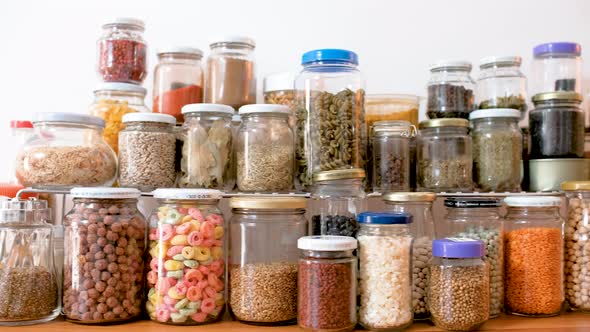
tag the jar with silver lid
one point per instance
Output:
(450, 90)
(501, 84)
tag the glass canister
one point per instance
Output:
(337, 198)
(501, 84)
(231, 72)
(327, 283)
(279, 88)
(557, 126)
(450, 90)
(187, 241)
(391, 155)
(497, 149)
(331, 131)
(207, 147)
(444, 156)
(66, 150)
(104, 244)
(111, 102)
(533, 256)
(178, 80)
(557, 66)
(459, 292)
(385, 279)
(147, 151)
(28, 278)
(263, 258)
(479, 218)
(387, 107)
(264, 149)
(19, 133)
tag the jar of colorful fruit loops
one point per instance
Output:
(186, 279)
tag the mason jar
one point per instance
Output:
(263, 273)
(450, 90)
(391, 155)
(501, 84)
(557, 66)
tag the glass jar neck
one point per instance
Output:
(269, 212)
(557, 104)
(206, 115)
(502, 65)
(384, 230)
(454, 70)
(123, 28)
(49, 126)
(237, 48)
(255, 117)
(504, 122)
(198, 202)
(330, 66)
(148, 125)
(445, 130)
(129, 97)
(540, 212)
(181, 58)
(326, 254)
(81, 201)
(480, 212)
(344, 187)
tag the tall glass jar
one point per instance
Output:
(178, 80)
(444, 156)
(231, 72)
(264, 149)
(479, 219)
(385, 279)
(336, 200)
(331, 131)
(207, 147)
(66, 150)
(122, 51)
(501, 84)
(147, 151)
(450, 90)
(104, 244)
(263, 272)
(391, 155)
(497, 149)
(419, 205)
(327, 283)
(533, 256)
(187, 243)
(557, 66)
(28, 278)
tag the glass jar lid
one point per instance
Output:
(149, 117)
(128, 22)
(68, 118)
(575, 185)
(442, 65)
(232, 39)
(21, 124)
(24, 211)
(339, 174)
(330, 55)
(553, 48)
(187, 194)
(268, 203)
(327, 243)
(532, 201)
(565, 96)
(264, 108)
(444, 122)
(500, 61)
(472, 202)
(409, 197)
(207, 108)
(180, 50)
(385, 218)
(284, 81)
(394, 128)
(105, 193)
(127, 88)
(495, 113)
(458, 248)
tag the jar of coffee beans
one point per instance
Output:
(450, 90)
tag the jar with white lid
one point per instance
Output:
(391, 155)
(450, 90)
(279, 88)
(501, 84)
(557, 66)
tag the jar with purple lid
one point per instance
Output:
(557, 66)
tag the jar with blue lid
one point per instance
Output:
(557, 66)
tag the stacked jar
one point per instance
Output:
(450, 90)
(391, 155)
(501, 84)
(557, 66)
(279, 88)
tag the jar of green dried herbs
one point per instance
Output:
(501, 84)
(391, 155)
(497, 149)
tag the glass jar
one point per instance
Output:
(479, 219)
(497, 149)
(385, 279)
(278, 88)
(264, 149)
(187, 241)
(459, 292)
(66, 150)
(122, 51)
(147, 151)
(391, 155)
(336, 200)
(207, 147)
(557, 126)
(388, 107)
(450, 90)
(331, 131)
(20, 132)
(501, 84)
(557, 66)
(231, 72)
(444, 156)
(533, 256)
(104, 243)
(28, 278)
(263, 272)
(327, 283)
(111, 102)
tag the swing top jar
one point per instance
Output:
(450, 90)
(501, 84)
(557, 66)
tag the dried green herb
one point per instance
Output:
(496, 160)
(444, 175)
(512, 101)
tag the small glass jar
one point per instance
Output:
(479, 219)
(501, 84)
(331, 130)
(459, 292)
(327, 283)
(20, 132)
(178, 80)
(557, 126)
(497, 149)
(450, 90)
(264, 149)
(279, 88)
(207, 145)
(385, 279)
(104, 244)
(533, 256)
(231, 72)
(444, 156)
(391, 155)
(263, 272)
(557, 67)
(337, 198)
(28, 278)
(66, 150)
(147, 151)
(122, 51)
(387, 107)
(111, 102)
(187, 241)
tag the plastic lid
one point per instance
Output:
(450, 64)
(488, 61)
(445, 122)
(558, 48)
(234, 39)
(385, 218)
(264, 108)
(409, 197)
(123, 87)
(472, 202)
(11, 189)
(279, 81)
(236, 118)
(340, 174)
(105, 193)
(207, 108)
(524, 201)
(149, 117)
(17, 124)
(558, 95)
(180, 50)
(458, 248)
(68, 118)
(188, 194)
(130, 21)
(495, 113)
(327, 243)
(330, 54)
(576, 185)
(268, 203)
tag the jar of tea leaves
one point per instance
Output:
(501, 84)
(391, 155)
(450, 90)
